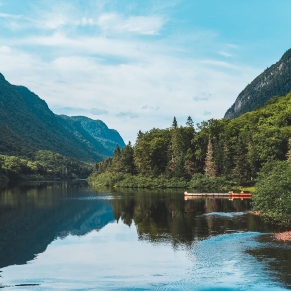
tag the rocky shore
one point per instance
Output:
(283, 236)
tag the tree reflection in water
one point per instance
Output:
(31, 217)
(166, 216)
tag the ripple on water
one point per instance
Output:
(89, 198)
(225, 214)
(222, 261)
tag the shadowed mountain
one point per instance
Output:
(30, 222)
(28, 124)
(94, 133)
(274, 81)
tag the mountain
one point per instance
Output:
(94, 133)
(274, 81)
(27, 124)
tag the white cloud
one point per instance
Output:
(205, 113)
(111, 65)
(163, 84)
(99, 111)
(12, 16)
(113, 23)
(5, 49)
(52, 15)
(66, 16)
(150, 108)
(225, 54)
(126, 115)
(202, 97)
(86, 22)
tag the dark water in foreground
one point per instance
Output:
(61, 236)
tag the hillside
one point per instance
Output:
(274, 81)
(93, 133)
(27, 124)
(217, 153)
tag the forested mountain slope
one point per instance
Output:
(234, 150)
(94, 133)
(274, 81)
(27, 124)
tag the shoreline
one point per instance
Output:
(283, 236)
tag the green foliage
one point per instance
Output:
(45, 165)
(28, 125)
(210, 166)
(137, 181)
(203, 182)
(272, 196)
(209, 157)
(105, 179)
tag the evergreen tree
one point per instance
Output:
(116, 159)
(189, 165)
(210, 167)
(126, 159)
(288, 155)
(189, 122)
(140, 135)
(179, 170)
(240, 170)
(175, 123)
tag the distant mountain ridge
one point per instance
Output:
(27, 124)
(274, 81)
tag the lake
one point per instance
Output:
(68, 236)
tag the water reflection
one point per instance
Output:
(167, 216)
(277, 256)
(138, 225)
(32, 216)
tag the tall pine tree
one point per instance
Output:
(210, 167)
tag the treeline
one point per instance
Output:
(44, 165)
(214, 153)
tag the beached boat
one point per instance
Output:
(232, 195)
(206, 194)
(241, 194)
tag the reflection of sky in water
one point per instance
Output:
(88, 198)
(76, 243)
(225, 214)
(113, 258)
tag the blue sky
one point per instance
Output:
(137, 64)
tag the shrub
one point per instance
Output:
(202, 182)
(272, 196)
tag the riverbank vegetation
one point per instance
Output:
(213, 154)
(272, 197)
(253, 149)
(45, 165)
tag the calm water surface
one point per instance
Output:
(68, 236)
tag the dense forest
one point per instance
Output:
(37, 144)
(44, 165)
(253, 149)
(214, 152)
(28, 125)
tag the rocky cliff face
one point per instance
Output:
(274, 81)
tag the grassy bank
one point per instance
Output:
(198, 181)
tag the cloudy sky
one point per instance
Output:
(135, 64)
